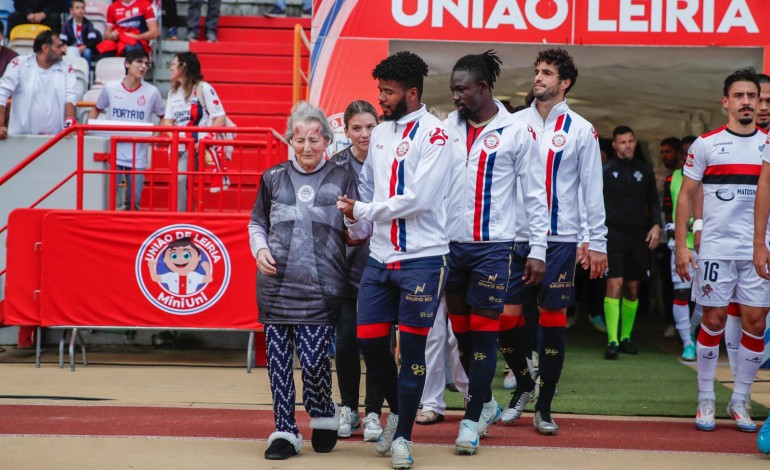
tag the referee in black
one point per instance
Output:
(633, 225)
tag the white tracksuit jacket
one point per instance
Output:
(482, 193)
(569, 149)
(403, 188)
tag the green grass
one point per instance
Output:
(654, 383)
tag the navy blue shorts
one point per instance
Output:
(557, 290)
(480, 271)
(407, 293)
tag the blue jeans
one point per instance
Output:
(130, 180)
(194, 16)
(306, 4)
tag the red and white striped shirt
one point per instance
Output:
(728, 165)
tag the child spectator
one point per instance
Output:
(79, 33)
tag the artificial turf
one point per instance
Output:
(653, 383)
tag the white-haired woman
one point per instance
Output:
(297, 236)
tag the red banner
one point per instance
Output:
(673, 23)
(22, 282)
(164, 270)
(584, 22)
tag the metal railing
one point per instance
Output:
(255, 149)
(299, 76)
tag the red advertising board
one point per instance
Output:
(22, 283)
(672, 23)
(586, 22)
(165, 270)
(350, 37)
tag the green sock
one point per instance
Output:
(612, 316)
(627, 316)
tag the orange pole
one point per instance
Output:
(297, 67)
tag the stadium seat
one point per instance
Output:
(21, 49)
(23, 35)
(96, 11)
(81, 73)
(27, 32)
(109, 69)
(90, 97)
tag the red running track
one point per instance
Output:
(250, 424)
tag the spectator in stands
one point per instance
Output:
(184, 108)
(194, 19)
(171, 19)
(633, 223)
(45, 12)
(279, 9)
(130, 24)
(360, 119)
(6, 54)
(299, 245)
(79, 33)
(42, 87)
(134, 100)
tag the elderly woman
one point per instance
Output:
(297, 236)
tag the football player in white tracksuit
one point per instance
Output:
(493, 154)
(404, 181)
(569, 150)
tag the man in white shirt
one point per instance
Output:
(42, 88)
(133, 100)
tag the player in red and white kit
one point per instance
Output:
(727, 161)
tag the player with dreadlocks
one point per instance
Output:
(569, 151)
(492, 154)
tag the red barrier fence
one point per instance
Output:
(120, 269)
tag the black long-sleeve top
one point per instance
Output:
(630, 196)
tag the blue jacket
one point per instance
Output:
(91, 37)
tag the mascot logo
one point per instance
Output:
(183, 269)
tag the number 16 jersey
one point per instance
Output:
(728, 165)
